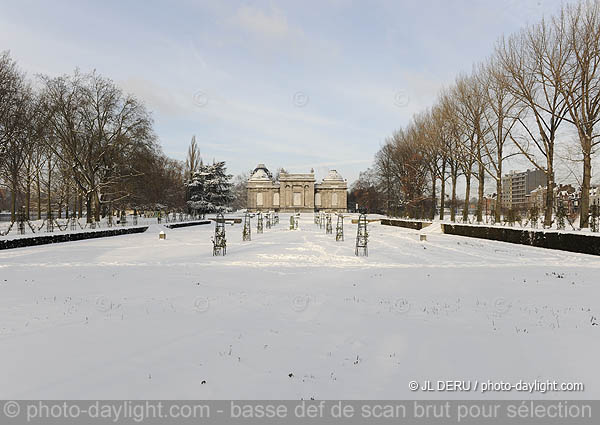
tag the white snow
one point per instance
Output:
(434, 227)
(138, 317)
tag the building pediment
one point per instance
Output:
(297, 177)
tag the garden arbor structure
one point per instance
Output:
(219, 241)
(328, 225)
(259, 223)
(339, 228)
(362, 237)
(247, 232)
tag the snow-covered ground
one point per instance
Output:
(293, 314)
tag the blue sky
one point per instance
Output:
(295, 84)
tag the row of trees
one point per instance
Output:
(538, 91)
(78, 141)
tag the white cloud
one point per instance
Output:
(272, 24)
(159, 99)
(268, 33)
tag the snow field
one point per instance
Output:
(293, 314)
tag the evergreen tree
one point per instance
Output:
(210, 189)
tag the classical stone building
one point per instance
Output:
(296, 192)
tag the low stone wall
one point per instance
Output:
(187, 224)
(68, 237)
(572, 242)
(409, 224)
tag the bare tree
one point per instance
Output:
(239, 191)
(365, 192)
(409, 170)
(433, 153)
(470, 107)
(17, 131)
(383, 166)
(161, 183)
(453, 138)
(11, 84)
(97, 128)
(577, 30)
(437, 137)
(500, 115)
(524, 60)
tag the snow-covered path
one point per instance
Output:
(293, 314)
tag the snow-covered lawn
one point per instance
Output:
(293, 314)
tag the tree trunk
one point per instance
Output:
(39, 195)
(49, 213)
(480, 190)
(465, 213)
(453, 203)
(13, 204)
(498, 209)
(88, 207)
(67, 200)
(549, 199)
(97, 206)
(14, 188)
(443, 191)
(584, 203)
(433, 199)
(27, 197)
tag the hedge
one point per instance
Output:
(416, 225)
(187, 224)
(572, 242)
(68, 237)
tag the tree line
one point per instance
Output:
(76, 143)
(537, 92)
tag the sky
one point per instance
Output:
(299, 85)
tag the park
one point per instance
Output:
(387, 208)
(293, 314)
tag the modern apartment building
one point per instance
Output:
(517, 185)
